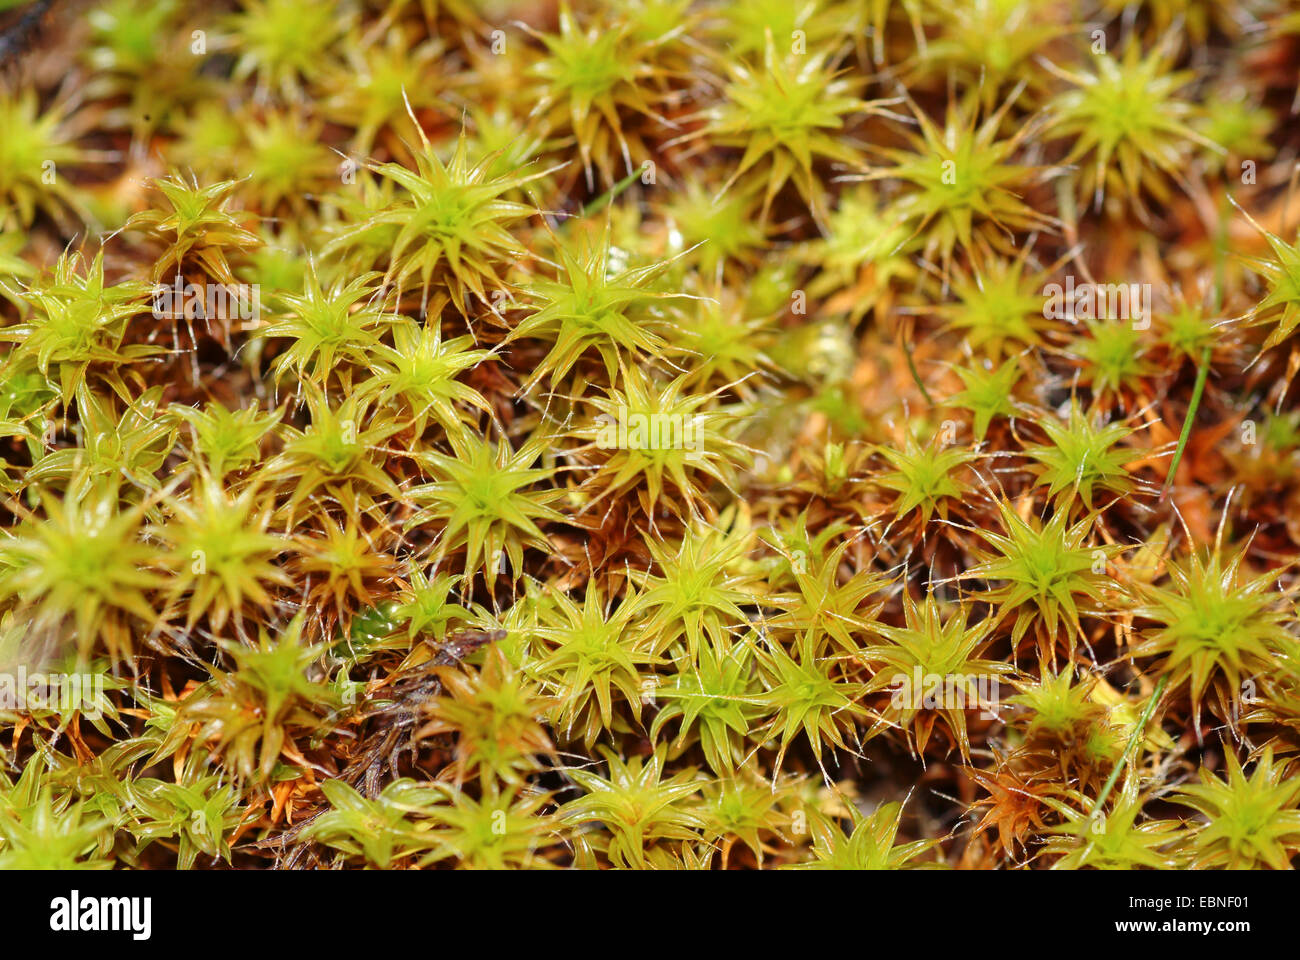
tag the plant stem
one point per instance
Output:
(1128, 750)
(911, 365)
(1202, 371)
(598, 204)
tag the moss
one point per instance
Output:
(524, 435)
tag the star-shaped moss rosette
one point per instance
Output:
(1129, 121)
(617, 313)
(1045, 574)
(1082, 457)
(1249, 820)
(597, 84)
(962, 188)
(447, 226)
(1280, 307)
(38, 152)
(487, 499)
(786, 114)
(933, 669)
(1214, 625)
